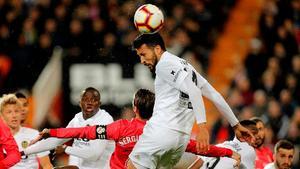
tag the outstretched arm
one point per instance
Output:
(214, 151)
(241, 132)
(89, 132)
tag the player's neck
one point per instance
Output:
(139, 117)
(160, 55)
(15, 130)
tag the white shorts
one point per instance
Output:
(158, 148)
(218, 163)
(186, 161)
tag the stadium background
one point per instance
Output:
(248, 50)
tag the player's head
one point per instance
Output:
(260, 139)
(90, 102)
(149, 48)
(284, 154)
(143, 103)
(251, 126)
(10, 108)
(25, 106)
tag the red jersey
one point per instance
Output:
(264, 156)
(9, 151)
(125, 133)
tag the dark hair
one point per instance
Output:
(285, 144)
(20, 95)
(91, 89)
(247, 123)
(150, 40)
(257, 119)
(144, 101)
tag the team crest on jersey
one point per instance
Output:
(24, 144)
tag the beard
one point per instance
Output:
(153, 66)
(285, 166)
(261, 143)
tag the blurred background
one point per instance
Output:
(247, 49)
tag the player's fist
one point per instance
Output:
(42, 135)
(202, 139)
(237, 158)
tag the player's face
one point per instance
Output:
(90, 103)
(260, 135)
(254, 131)
(284, 158)
(11, 115)
(147, 56)
(24, 109)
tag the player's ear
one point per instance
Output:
(157, 50)
(79, 103)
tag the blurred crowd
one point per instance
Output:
(96, 30)
(102, 30)
(268, 84)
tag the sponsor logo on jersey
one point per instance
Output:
(127, 140)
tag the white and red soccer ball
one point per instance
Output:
(148, 18)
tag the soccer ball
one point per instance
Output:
(148, 18)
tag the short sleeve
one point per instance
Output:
(113, 130)
(173, 72)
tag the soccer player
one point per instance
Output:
(12, 115)
(284, 155)
(11, 156)
(82, 152)
(126, 133)
(245, 149)
(25, 107)
(264, 154)
(178, 102)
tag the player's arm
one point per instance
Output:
(214, 151)
(44, 145)
(45, 162)
(241, 132)
(195, 96)
(89, 132)
(10, 146)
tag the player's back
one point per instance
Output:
(125, 133)
(97, 161)
(23, 138)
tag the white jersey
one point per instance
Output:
(90, 148)
(23, 138)
(246, 151)
(172, 108)
(270, 166)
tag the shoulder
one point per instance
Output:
(106, 114)
(169, 60)
(29, 130)
(103, 117)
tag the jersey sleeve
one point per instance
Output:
(114, 129)
(213, 151)
(80, 132)
(10, 146)
(172, 72)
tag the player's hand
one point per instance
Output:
(42, 135)
(237, 158)
(243, 134)
(202, 139)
